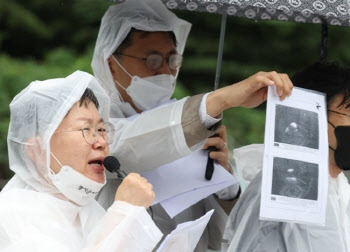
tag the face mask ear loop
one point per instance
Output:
(117, 82)
(331, 124)
(116, 61)
(120, 96)
(56, 161)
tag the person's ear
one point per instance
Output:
(37, 154)
(110, 64)
(33, 148)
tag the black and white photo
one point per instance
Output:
(296, 127)
(294, 179)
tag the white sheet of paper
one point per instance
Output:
(186, 175)
(295, 166)
(177, 204)
(186, 235)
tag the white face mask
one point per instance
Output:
(149, 92)
(74, 185)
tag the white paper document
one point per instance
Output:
(177, 204)
(186, 235)
(181, 184)
(295, 164)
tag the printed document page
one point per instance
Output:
(181, 184)
(295, 163)
(186, 235)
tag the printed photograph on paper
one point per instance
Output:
(295, 160)
(295, 179)
(296, 127)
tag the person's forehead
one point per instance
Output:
(82, 112)
(152, 42)
(339, 113)
(337, 103)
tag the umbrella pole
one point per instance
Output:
(210, 167)
(324, 43)
(221, 48)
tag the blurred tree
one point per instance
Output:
(32, 28)
(16, 74)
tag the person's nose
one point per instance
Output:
(101, 142)
(164, 68)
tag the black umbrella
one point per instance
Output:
(332, 12)
(325, 12)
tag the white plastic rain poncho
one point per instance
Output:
(34, 214)
(146, 15)
(161, 135)
(245, 232)
(150, 128)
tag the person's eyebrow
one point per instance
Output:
(88, 119)
(174, 51)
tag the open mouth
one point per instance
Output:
(95, 162)
(97, 165)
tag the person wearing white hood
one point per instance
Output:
(137, 57)
(58, 138)
(136, 60)
(246, 232)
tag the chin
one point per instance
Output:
(99, 178)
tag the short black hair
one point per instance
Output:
(128, 41)
(327, 77)
(87, 97)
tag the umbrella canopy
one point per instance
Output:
(325, 12)
(331, 12)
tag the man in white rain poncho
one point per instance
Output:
(137, 56)
(57, 142)
(244, 230)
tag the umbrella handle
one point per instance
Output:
(209, 169)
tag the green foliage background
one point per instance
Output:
(42, 39)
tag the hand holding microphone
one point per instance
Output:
(134, 189)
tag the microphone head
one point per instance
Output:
(111, 164)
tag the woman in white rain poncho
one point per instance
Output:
(49, 204)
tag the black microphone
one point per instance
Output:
(210, 163)
(112, 165)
